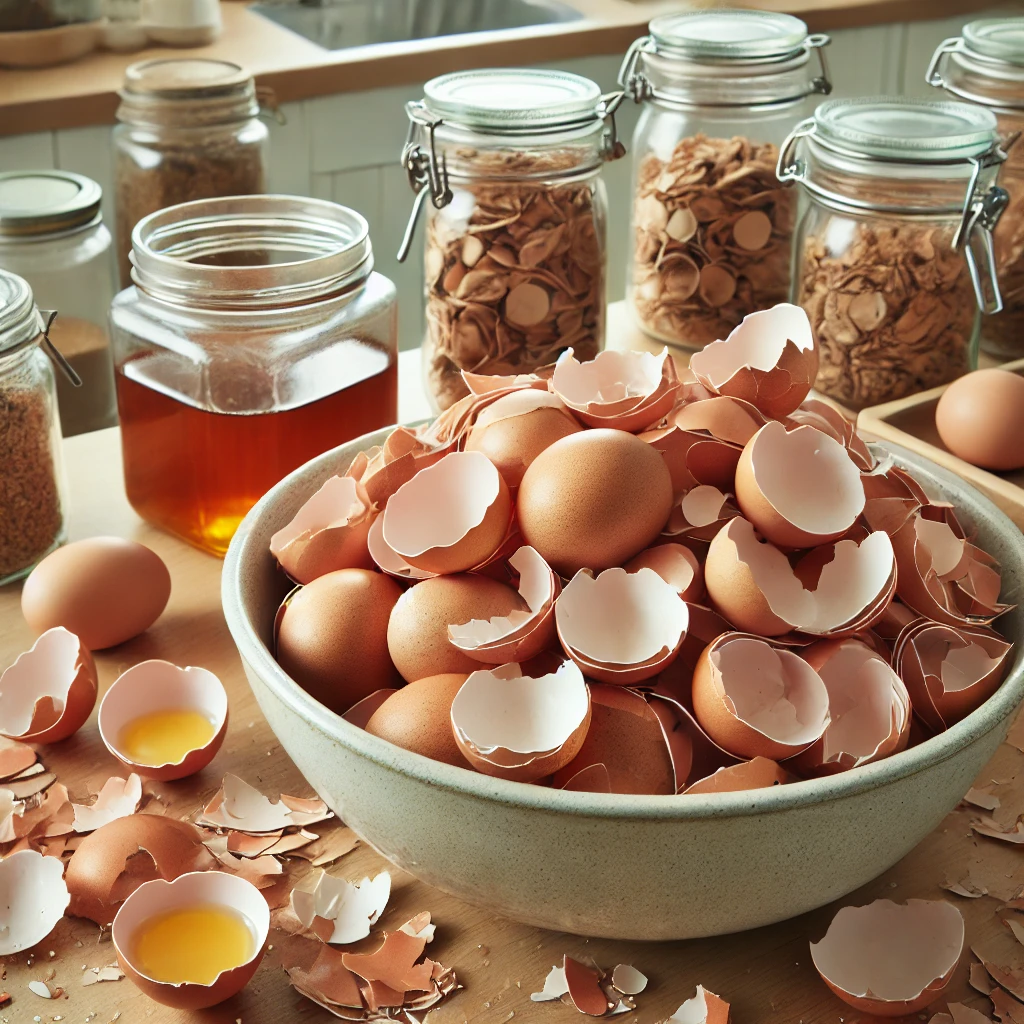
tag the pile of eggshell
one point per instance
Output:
(609, 576)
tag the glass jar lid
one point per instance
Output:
(985, 64)
(39, 203)
(20, 321)
(728, 35)
(513, 100)
(996, 38)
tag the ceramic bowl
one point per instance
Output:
(629, 867)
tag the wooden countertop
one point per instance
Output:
(85, 92)
(765, 974)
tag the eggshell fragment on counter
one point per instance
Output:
(622, 390)
(755, 700)
(835, 589)
(521, 727)
(891, 959)
(520, 635)
(619, 626)
(105, 590)
(112, 862)
(154, 686)
(949, 671)
(703, 1008)
(799, 488)
(33, 897)
(769, 360)
(450, 517)
(216, 888)
(340, 912)
(116, 799)
(677, 565)
(757, 773)
(50, 690)
(328, 532)
(237, 805)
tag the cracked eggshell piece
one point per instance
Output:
(757, 773)
(799, 488)
(216, 888)
(621, 390)
(240, 807)
(755, 700)
(340, 912)
(33, 897)
(112, 862)
(891, 959)
(677, 565)
(154, 686)
(117, 798)
(699, 514)
(520, 635)
(753, 585)
(388, 560)
(50, 690)
(328, 532)
(451, 516)
(621, 627)
(869, 708)
(769, 360)
(820, 413)
(704, 1008)
(516, 428)
(521, 727)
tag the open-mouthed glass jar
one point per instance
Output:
(515, 237)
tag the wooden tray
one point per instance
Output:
(911, 422)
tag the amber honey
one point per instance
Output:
(196, 471)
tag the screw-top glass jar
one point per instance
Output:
(711, 225)
(189, 130)
(31, 473)
(894, 252)
(52, 234)
(986, 65)
(256, 337)
(515, 246)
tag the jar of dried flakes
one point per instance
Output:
(986, 65)
(515, 246)
(894, 252)
(189, 130)
(711, 226)
(31, 476)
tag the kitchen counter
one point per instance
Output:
(85, 92)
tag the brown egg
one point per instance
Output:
(105, 590)
(417, 635)
(418, 718)
(594, 499)
(332, 638)
(980, 418)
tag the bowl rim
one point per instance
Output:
(468, 783)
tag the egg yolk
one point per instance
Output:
(192, 944)
(164, 737)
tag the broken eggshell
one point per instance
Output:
(240, 807)
(757, 773)
(703, 1008)
(699, 514)
(33, 897)
(755, 700)
(520, 727)
(450, 517)
(154, 686)
(388, 560)
(769, 360)
(340, 912)
(891, 959)
(677, 565)
(118, 798)
(329, 532)
(50, 690)
(817, 412)
(216, 888)
(621, 627)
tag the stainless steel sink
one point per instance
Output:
(341, 24)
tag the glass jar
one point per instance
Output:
(515, 234)
(894, 250)
(256, 337)
(189, 130)
(986, 65)
(711, 225)
(52, 234)
(31, 475)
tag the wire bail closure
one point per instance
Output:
(48, 316)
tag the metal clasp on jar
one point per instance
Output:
(48, 316)
(933, 76)
(427, 175)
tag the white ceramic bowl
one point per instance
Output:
(631, 867)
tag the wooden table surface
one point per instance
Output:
(765, 974)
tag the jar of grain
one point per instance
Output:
(711, 225)
(189, 130)
(986, 65)
(31, 475)
(256, 336)
(515, 246)
(894, 252)
(52, 234)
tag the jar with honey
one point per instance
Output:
(255, 337)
